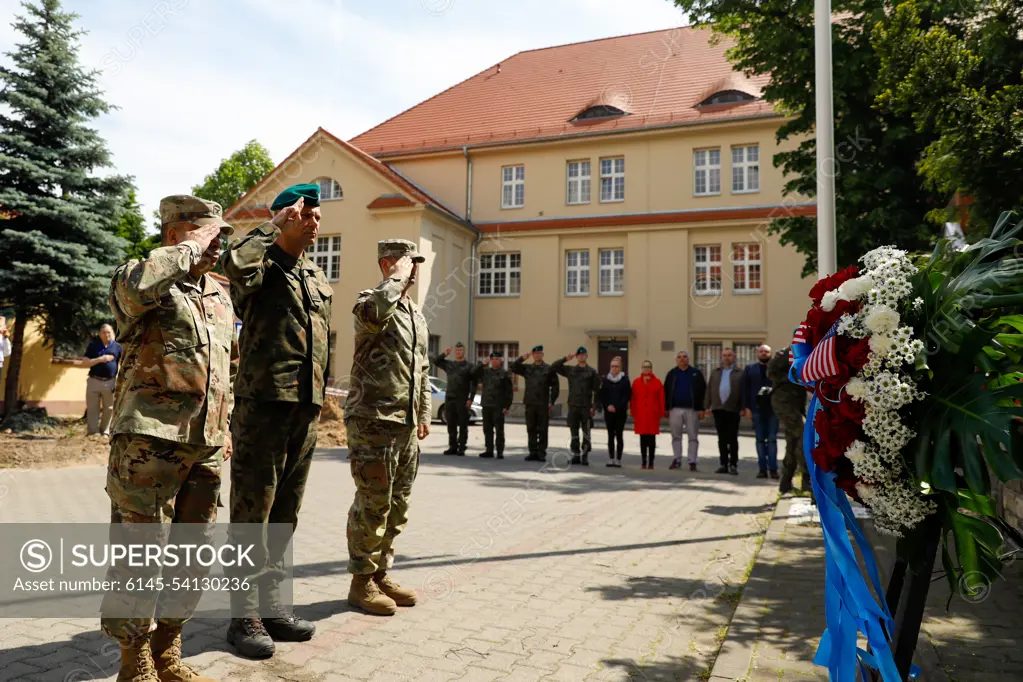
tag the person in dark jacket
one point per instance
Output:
(496, 400)
(539, 397)
(615, 395)
(684, 392)
(756, 404)
(457, 397)
(583, 385)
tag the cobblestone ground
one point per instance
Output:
(525, 573)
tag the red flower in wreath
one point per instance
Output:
(832, 282)
(852, 410)
(855, 353)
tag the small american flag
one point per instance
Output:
(822, 361)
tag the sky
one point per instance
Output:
(194, 80)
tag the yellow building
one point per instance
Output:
(614, 194)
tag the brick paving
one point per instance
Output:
(524, 573)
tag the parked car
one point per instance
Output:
(438, 389)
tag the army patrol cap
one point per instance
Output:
(309, 193)
(581, 350)
(185, 208)
(399, 248)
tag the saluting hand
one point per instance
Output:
(204, 236)
(402, 269)
(570, 357)
(289, 214)
(447, 351)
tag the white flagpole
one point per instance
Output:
(827, 261)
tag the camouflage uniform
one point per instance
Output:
(542, 389)
(583, 387)
(788, 400)
(389, 397)
(495, 399)
(172, 404)
(284, 305)
(456, 414)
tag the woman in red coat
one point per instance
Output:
(647, 409)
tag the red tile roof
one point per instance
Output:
(659, 78)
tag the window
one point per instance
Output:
(612, 179)
(600, 111)
(612, 272)
(727, 97)
(578, 182)
(513, 187)
(326, 253)
(745, 353)
(433, 347)
(746, 268)
(329, 189)
(746, 169)
(510, 351)
(707, 171)
(577, 273)
(500, 274)
(707, 356)
(707, 269)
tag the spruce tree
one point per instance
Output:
(59, 246)
(131, 227)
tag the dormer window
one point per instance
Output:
(599, 111)
(727, 97)
(330, 189)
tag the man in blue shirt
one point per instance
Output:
(756, 404)
(684, 392)
(101, 357)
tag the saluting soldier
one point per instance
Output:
(496, 400)
(457, 398)
(283, 300)
(387, 413)
(788, 400)
(583, 388)
(541, 392)
(172, 407)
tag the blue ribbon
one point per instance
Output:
(850, 606)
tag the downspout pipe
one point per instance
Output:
(474, 253)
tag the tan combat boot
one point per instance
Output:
(366, 595)
(137, 661)
(402, 596)
(167, 656)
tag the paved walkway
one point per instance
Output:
(525, 573)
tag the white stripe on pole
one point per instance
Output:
(827, 261)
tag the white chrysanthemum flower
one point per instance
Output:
(880, 345)
(856, 451)
(856, 288)
(829, 300)
(856, 388)
(880, 319)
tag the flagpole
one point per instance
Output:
(827, 261)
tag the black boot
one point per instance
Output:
(285, 626)
(500, 454)
(575, 459)
(452, 450)
(489, 454)
(250, 638)
(586, 460)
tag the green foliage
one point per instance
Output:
(59, 247)
(969, 421)
(880, 197)
(236, 175)
(131, 227)
(961, 82)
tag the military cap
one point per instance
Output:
(459, 345)
(184, 208)
(581, 350)
(398, 248)
(496, 354)
(309, 192)
(537, 348)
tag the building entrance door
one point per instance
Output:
(607, 350)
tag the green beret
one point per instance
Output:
(581, 350)
(537, 348)
(496, 354)
(459, 345)
(309, 192)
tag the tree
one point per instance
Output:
(961, 83)
(236, 175)
(131, 227)
(880, 197)
(59, 246)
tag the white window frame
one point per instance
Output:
(705, 170)
(581, 270)
(614, 179)
(334, 193)
(744, 264)
(504, 268)
(746, 169)
(581, 181)
(326, 253)
(706, 266)
(615, 270)
(513, 186)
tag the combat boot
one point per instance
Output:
(137, 661)
(402, 596)
(285, 626)
(249, 638)
(166, 646)
(487, 454)
(500, 454)
(365, 594)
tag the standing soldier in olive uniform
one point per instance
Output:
(172, 409)
(496, 400)
(583, 387)
(788, 400)
(457, 398)
(542, 388)
(387, 412)
(283, 300)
